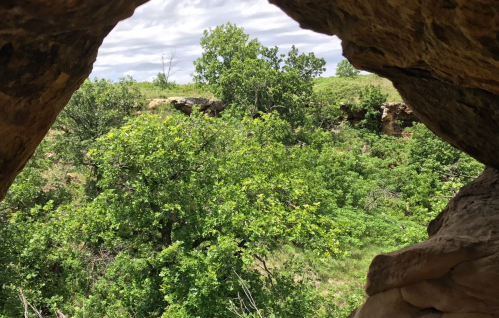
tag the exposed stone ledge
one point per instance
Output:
(185, 104)
(455, 273)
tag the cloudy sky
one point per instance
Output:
(133, 47)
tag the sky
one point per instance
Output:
(134, 46)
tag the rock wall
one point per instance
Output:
(394, 118)
(443, 57)
(455, 273)
(47, 49)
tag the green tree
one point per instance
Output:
(221, 46)
(96, 108)
(345, 69)
(370, 100)
(254, 78)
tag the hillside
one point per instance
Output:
(342, 85)
(351, 86)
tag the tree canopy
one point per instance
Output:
(345, 69)
(253, 78)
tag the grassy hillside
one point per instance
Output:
(351, 86)
(346, 86)
(151, 91)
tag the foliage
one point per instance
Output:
(369, 105)
(346, 87)
(266, 215)
(169, 66)
(253, 78)
(95, 109)
(161, 82)
(345, 69)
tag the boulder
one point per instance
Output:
(354, 116)
(441, 55)
(185, 104)
(395, 118)
(47, 49)
(455, 272)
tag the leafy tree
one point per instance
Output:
(221, 46)
(370, 100)
(96, 108)
(254, 78)
(197, 217)
(345, 69)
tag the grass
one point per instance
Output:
(346, 86)
(188, 90)
(351, 86)
(340, 279)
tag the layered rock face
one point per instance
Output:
(455, 273)
(185, 104)
(442, 56)
(394, 118)
(47, 49)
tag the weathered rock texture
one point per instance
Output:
(47, 49)
(442, 56)
(455, 273)
(395, 118)
(185, 104)
(354, 116)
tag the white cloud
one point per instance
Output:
(133, 46)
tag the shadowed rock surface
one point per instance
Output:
(443, 57)
(47, 49)
(456, 271)
(185, 104)
(395, 118)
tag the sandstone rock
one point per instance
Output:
(153, 104)
(395, 118)
(442, 56)
(47, 49)
(185, 104)
(456, 271)
(392, 304)
(354, 116)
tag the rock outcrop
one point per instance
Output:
(442, 56)
(353, 115)
(395, 118)
(47, 49)
(185, 104)
(455, 273)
